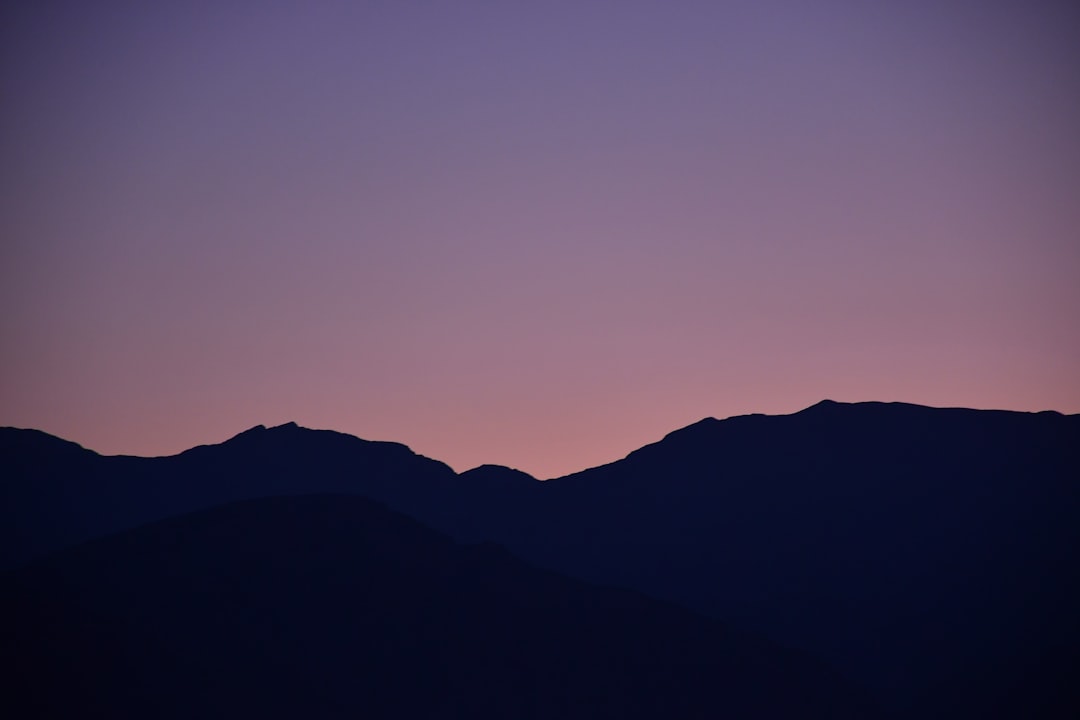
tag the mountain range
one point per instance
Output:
(923, 558)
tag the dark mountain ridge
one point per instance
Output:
(911, 546)
(927, 552)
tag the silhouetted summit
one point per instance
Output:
(332, 606)
(497, 476)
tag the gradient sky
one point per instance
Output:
(540, 234)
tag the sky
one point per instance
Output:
(539, 234)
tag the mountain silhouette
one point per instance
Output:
(58, 493)
(917, 549)
(328, 606)
(926, 553)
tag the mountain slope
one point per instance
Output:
(929, 553)
(334, 606)
(913, 547)
(54, 499)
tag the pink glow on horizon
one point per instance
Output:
(536, 237)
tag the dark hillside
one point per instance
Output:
(333, 606)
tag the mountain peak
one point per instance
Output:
(261, 430)
(287, 426)
(497, 474)
(823, 405)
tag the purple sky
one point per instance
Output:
(539, 234)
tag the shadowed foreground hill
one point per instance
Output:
(334, 606)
